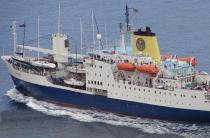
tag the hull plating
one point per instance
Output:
(66, 97)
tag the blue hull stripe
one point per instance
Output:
(111, 105)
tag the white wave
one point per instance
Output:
(147, 125)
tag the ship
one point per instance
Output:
(138, 82)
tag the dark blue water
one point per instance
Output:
(183, 28)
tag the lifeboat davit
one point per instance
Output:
(150, 69)
(190, 60)
(126, 67)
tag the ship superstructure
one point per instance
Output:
(140, 83)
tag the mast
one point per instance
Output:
(23, 41)
(127, 16)
(76, 57)
(38, 35)
(14, 36)
(93, 26)
(105, 29)
(59, 18)
(81, 33)
(98, 36)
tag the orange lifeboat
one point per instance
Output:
(190, 60)
(150, 69)
(126, 66)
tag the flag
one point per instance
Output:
(135, 10)
(22, 25)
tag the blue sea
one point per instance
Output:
(182, 27)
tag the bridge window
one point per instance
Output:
(66, 43)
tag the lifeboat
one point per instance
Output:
(126, 67)
(150, 69)
(190, 60)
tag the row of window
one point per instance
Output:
(156, 100)
(156, 92)
(96, 66)
(95, 82)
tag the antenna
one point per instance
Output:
(38, 35)
(59, 18)
(81, 35)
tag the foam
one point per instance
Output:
(151, 126)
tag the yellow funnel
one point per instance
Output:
(145, 42)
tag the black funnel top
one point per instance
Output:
(147, 32)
